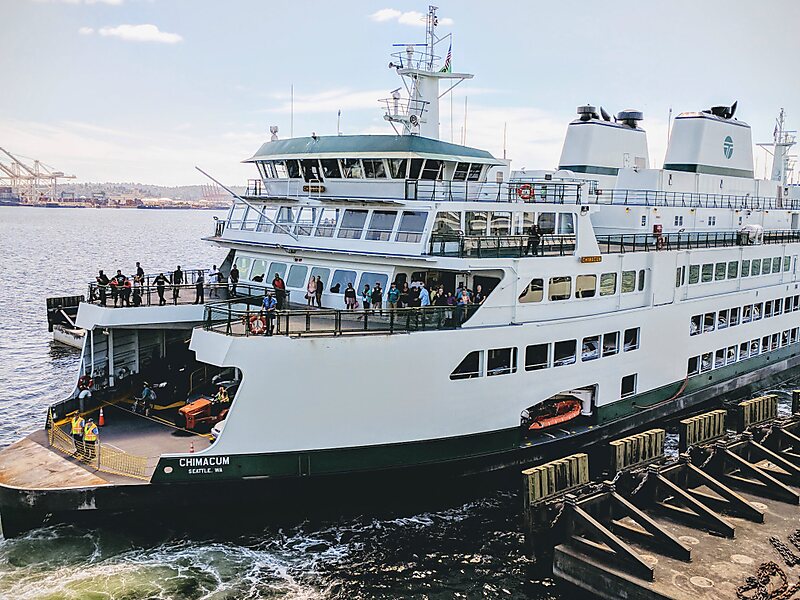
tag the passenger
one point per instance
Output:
(161, 284)
(377, 298)
(269, 305)
(318, 291)
(138, 284)
(393, 296)
(234, 279)
(90, 436)
(116, 285)
(463, 305)
(137, 297)
(77, 431)
(177, 282)
(125, 294)
(405, 296)
(311, 292)
(479, 297)
(102, 286)
(139, 270)
(350, 297)
(534, 239)
(424, 296)
(199, 289)
(366, 296)
(280, 290)
(214, 278)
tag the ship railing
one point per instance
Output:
(185, 293)
(621, 243)
(457, 245)
(102, 457)
(246, 321)
(689, 200)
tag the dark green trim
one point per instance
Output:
(590, 169)
(708, 170)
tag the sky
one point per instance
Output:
(144, 90)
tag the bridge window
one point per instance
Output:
(630, 340)
(447, 223)
(537, 357)
(297, 276)
(610, 343)
(560, 288)
(415, 168)
(608, 284)
(470, 367)
(330, 168)
(755, 268)
(501, 361)
(280, 169)
(412, 224)
(475, 172)
(351, 168)
(628, 386)
(374, 169)
(500, 224)
(293, 169)
(628, 281)
(381, 225)
(564, 353)
(340, 280)
(745, 268)
(547, 223)
(306, 220)
(533, 292)
(352, 224)
(694, 274)
(460, 173)
(566, 224)
(397, 167)
(311, 170)
(585, 286)
(327, 222)
(432, 170)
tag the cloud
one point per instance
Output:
(411, 17)
(328, 101)
(86, 31)
(136, 33)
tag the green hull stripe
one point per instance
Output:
(373, 458)
(708, 170)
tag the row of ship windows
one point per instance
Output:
(367, 168)
(384, 225)
(730, 270)
(752, 312)
(560, 288)
(747, 349)
(259, 270)
(503, 361)
(482, 222)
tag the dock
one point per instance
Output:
(720, 521)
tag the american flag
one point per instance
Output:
(448, 62)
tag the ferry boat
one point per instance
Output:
(604, 296)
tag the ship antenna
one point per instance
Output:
(255, 208)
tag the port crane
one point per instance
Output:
(31, 181)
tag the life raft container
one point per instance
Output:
(555, 414)
(525, 191)
(258, 325)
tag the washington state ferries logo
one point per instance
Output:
(727, 147)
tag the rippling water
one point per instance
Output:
(472, 551)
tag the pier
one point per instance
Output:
(720, 521)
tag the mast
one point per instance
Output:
(421, 70)
(782, 141)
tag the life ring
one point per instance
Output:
(85, 382)
(257, 325)
(525, 191)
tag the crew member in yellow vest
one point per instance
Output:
(90, 434)
(77, 431)
(222, 396)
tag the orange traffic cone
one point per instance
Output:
(102, 420)
(191, 447)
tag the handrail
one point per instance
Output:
(224, 317)
(499, 246)
(150, 295)
(647, 242)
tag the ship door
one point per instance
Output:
(795, 221)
